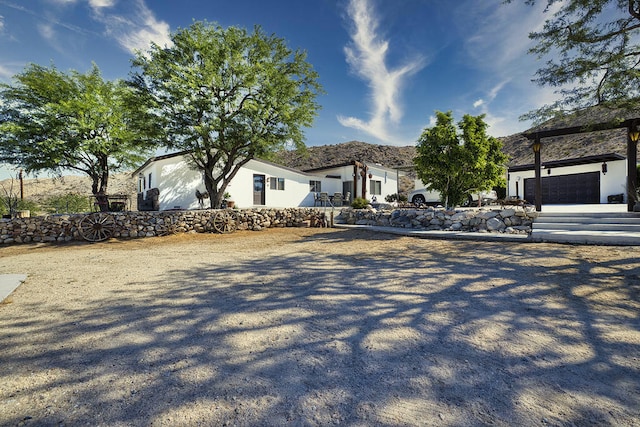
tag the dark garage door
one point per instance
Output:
(566, 189)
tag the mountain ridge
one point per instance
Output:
(334, 154)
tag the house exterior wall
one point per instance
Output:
(177, 183)
(386, 177)
(388, 182)
(296, 193)
(613, 182)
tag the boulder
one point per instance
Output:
(505, 213)
(495, 224)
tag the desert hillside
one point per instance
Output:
(39, 189)
(328, 155)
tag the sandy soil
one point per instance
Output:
(320, 327)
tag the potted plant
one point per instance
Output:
(227, 199)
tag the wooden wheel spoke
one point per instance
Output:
(97, 227)
(225, 221)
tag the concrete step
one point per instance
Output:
(609, 238)
(588, 220)
(590, 214)
(587, 228)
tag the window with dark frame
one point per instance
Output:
(375, 187)
(277, 183)
(315, 186)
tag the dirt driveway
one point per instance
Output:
(320, 327)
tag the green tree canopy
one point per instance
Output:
(55, 121)
(596, 54)
(459, 160)
(227, 96)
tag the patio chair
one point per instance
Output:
(324, 199)
(337, 199)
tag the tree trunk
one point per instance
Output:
(215, 196)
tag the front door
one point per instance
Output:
(347, 191)
(258, 190)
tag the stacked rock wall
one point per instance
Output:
(512, 220)
(65, 228)
(127, 225)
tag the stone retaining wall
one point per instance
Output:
(512, 220)
(128, 225)
(65, 228)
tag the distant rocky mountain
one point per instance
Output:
(328, 155)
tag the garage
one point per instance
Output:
(579, 188)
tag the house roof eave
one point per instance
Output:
(571, 162)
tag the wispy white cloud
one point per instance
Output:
(133, 25)
(135, 30)
(366, 55)
(490, 95)
(96, 4)
(497, 45)
(47, 31)
(5, 73)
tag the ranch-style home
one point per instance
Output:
(170, 182)
(578, 168)
(366, 180)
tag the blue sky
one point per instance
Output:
(386, 65)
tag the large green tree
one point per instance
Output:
(56, 121)
(227, 96)
(457, 160)
(594, 51)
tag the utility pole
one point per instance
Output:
(21, 185)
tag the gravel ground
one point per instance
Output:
(312, 327)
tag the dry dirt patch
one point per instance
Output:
(320, 327)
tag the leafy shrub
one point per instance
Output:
(17, 204)
(68, 203)
(359, 203)
(396, 197)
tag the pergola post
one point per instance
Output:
(633, 135)
(537, 146)
(632, 160)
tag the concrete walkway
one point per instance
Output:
(9, 283)
(600, 208)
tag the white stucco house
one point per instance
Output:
(170, 182)
(359, 179)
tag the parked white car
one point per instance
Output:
(432, 198)
(423, 196)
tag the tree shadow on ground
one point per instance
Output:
(453, 333)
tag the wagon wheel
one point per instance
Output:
(225, 221)
(97, 227)
(165, 229)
